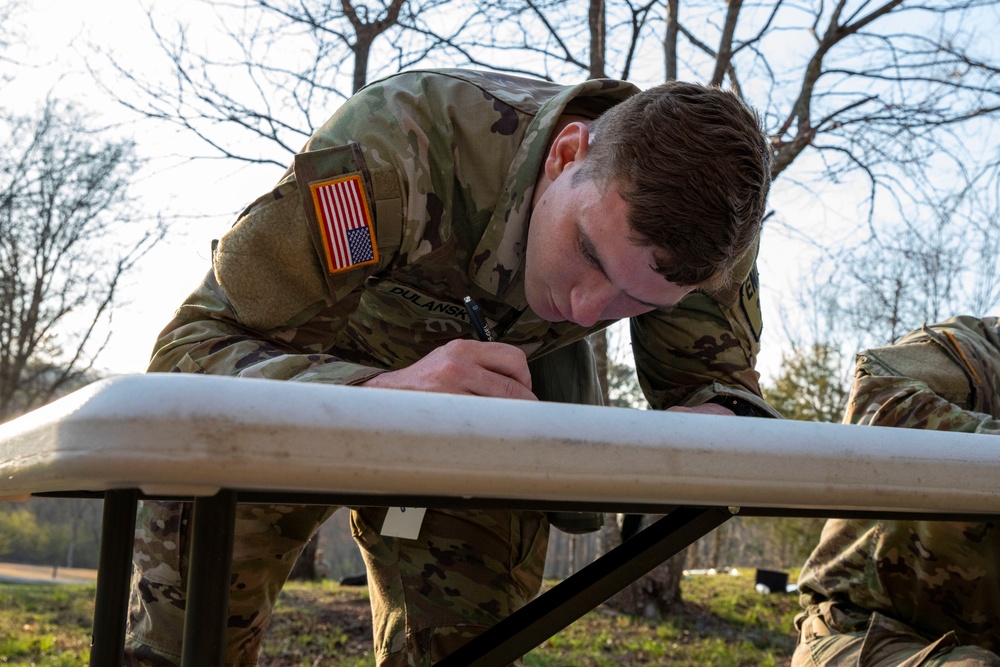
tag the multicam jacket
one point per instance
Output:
(444, 164)
(935, 576)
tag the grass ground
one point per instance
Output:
(723, 622)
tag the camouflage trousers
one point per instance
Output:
(886, 642)
(467, 570)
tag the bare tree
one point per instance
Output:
(366, 25)
(870, 90)
(279, 69)
(895, 99)
(8, 29)
(557, 39)
(873, 94)
(942, 261)
(876, 91)
(63, 205)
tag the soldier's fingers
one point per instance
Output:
(486, 369)
(505, 360)
(465, 367)
(485, 382)
(459, 359)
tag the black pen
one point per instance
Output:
(479, 325)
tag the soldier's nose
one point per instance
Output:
(589, 304)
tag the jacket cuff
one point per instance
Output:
(740, 401)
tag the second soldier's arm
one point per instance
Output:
(943, 377)
(910, 403)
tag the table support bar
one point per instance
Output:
(113, 579)
(563, 604)
(213, 524)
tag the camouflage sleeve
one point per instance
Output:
(206, 336)
(942, 377)
(909, 403)
(700, 350)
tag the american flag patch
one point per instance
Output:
(344, 223)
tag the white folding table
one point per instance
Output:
(219, 441)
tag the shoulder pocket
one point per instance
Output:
(354, 214)
(278, 261)
(922, 360)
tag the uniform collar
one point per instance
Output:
(497, 265)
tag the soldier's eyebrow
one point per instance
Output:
(589, 251)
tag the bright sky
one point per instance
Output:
(208, 194)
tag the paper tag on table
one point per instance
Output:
(403, 522)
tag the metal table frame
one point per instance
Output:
(212, 529)
(219, 441)
(213, 522)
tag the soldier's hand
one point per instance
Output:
(705, 409)
(465, 367)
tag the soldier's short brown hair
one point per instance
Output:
(694, 166)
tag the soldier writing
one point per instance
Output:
(915, 593)
(558, 209)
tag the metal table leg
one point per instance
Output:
(213, 523)
(114, 572)
(543, 617)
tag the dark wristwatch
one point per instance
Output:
(740, 407)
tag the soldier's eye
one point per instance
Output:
(587, 250)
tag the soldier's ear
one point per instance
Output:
(569, 146)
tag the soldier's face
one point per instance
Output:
(583, 263)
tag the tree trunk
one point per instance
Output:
(713, 557)
(670, 40)
(598, 32)
(305, 567)
(725, 52)
(362, 51)
(571, 556)
(654, 594)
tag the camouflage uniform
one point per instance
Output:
(912, 592)
(449, 161)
